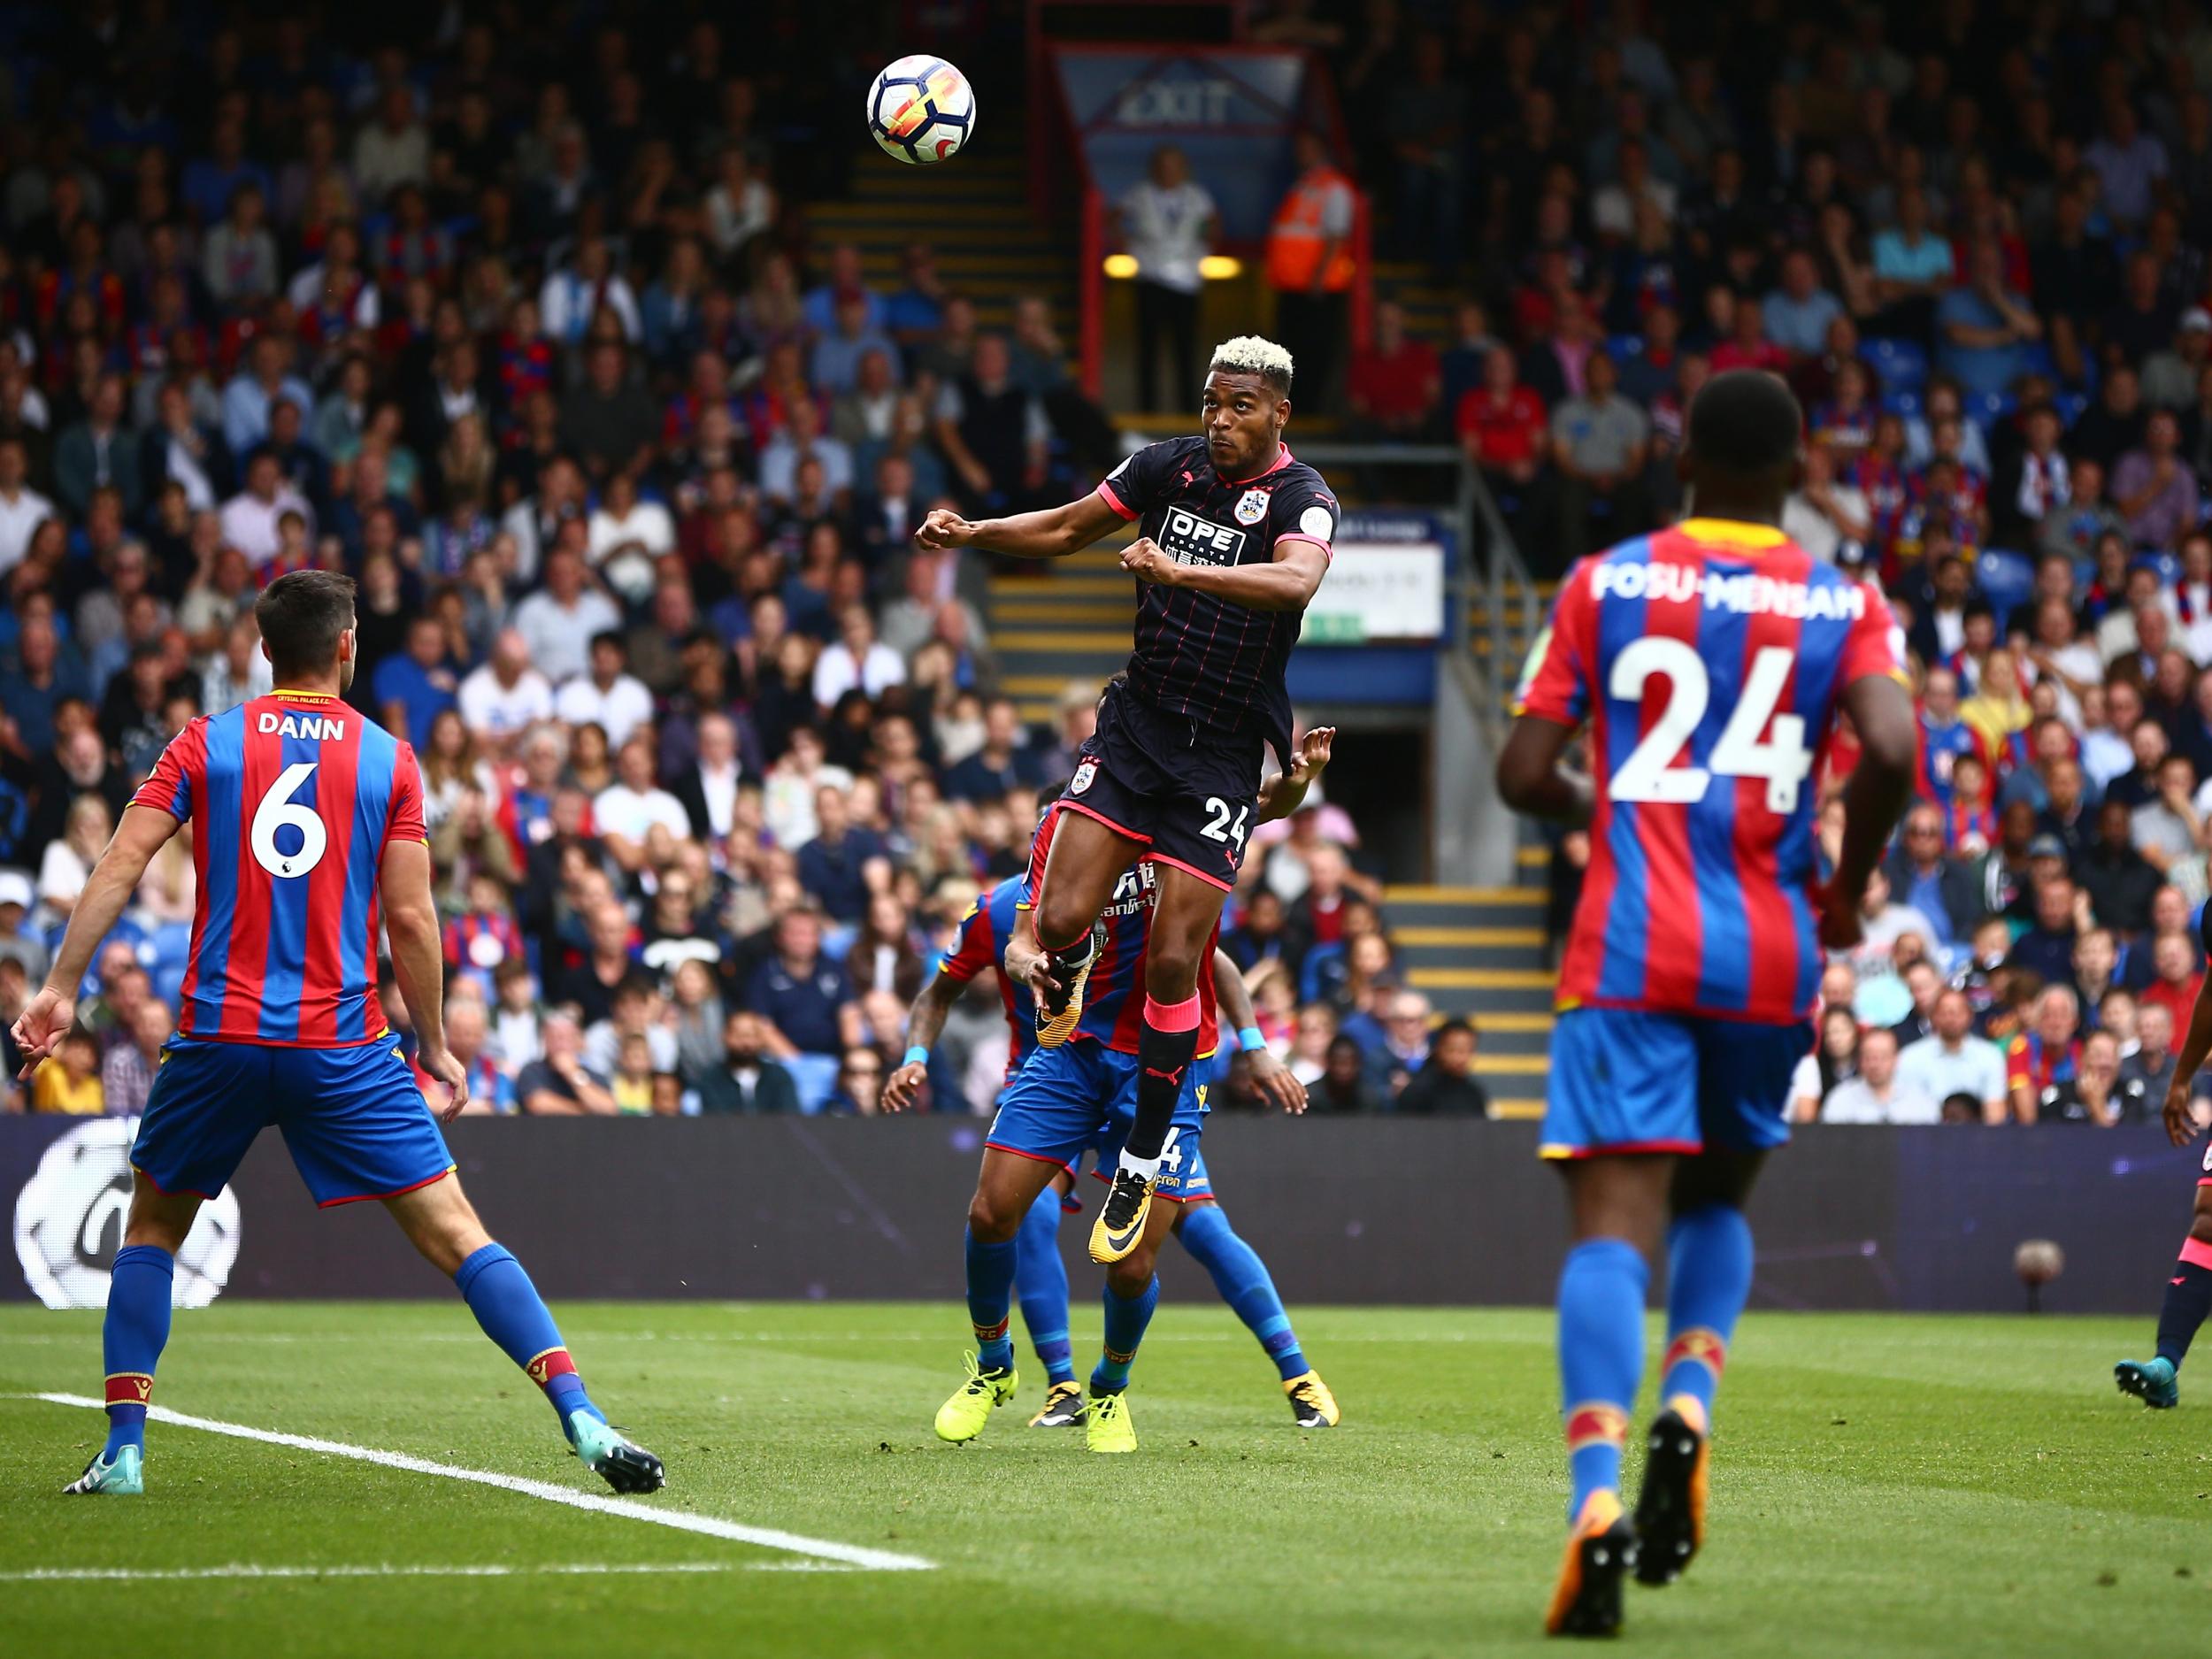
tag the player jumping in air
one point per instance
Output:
(1709, 662)
(305, 816)
(2155, 1382)
(1236, 539)
(1060, 1102)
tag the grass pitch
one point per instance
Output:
(1882, 1486)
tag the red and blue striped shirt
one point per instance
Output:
(1710, 661)
(292, 798)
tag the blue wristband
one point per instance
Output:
(1249, 1038)
(915, 1056)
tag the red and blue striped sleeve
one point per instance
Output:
(169, 786)
(1555, 683)
(971, 952)
(402, 821)
(1875, 647)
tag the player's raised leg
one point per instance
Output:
(441, 1222)
(1085, 860)
(133, 1332)
(1183, 917)
(2156, 1381)
(1005, 1190)
(1242, 1279)
(1040, 1285)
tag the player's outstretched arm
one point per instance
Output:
(410, 917)
(1269, 1075)
(1053, 534)
(1286, 792)
(1874, 799)
(106, 891)
(1533, 778)
(1286, 582)
(924, 1023)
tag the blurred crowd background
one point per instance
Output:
(513, 314)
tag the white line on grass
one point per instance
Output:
(388, 1570)
(630, 1509)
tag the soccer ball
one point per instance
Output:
(920, 110)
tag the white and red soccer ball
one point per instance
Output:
(921, 109)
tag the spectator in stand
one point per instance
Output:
(747, 1081)
(413, 687)
(2043, 1056)
(557, 622)
(1446, 1086)
(1877, 1095)
(1396, 383)
(558, 1084)
(1344, 1085)
(1834, 1058)
(1952, 1062)
(2177, 976)
(2151, 487)
(1505, 432)
(1797, 314)
(1003, 763)
(856, 658)
(1167, 222)
(1310, 265)
(607, 696)
(1600, 442)
(833, 866)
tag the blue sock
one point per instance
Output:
(1041, 1281)
(1241, 1278)
(1708, 1280)
(1125, 1321)
(1600, 1358)
(990, 1296)
(513, 1315)
(132, 1337)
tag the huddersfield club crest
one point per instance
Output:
(1084, 773)
(1252, 506)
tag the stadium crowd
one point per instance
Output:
(519, 323)
(1973, 240)
(521, 330)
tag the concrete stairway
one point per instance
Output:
(973, 210)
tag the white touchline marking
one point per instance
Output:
(388, 1569)
(708, 1526)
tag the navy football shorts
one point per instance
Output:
(354, 1119)
(1188, 793)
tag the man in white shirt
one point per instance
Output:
(609, 696)
(1877, 1095)
(1167, 222)
(574, 293)
(506, 696)
(1952, 1060)
(857, 658)
(22, 509)
(625, 811)
(559, 620)
(251, 517)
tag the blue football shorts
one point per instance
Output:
(1626, 1080)
(353, 1118)
(1082, 1097)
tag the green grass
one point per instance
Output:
(1881, 1485)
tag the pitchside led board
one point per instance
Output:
(1231, 110)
